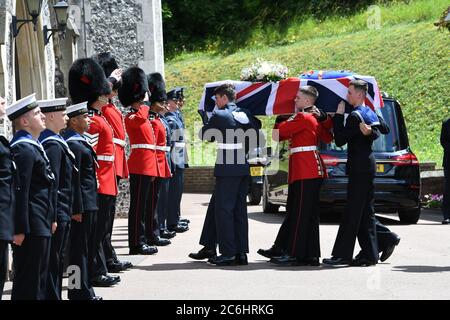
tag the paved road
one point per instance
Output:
(418, 269)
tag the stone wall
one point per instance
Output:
(199, 180)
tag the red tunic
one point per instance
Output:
(303, 130)
(100, 137)
(142, 159)
(115, 119)
(161, 145)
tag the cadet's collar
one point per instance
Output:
(47, 133)
(21, 134)
(69, 133)
(95, 111)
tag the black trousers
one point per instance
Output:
(82, 236)
(208, 237)
(105, 207)
(108, 249)
(231, 214)
(142, 196)
(446, 200)
(385, 237)
(31, 268)
(3, 264)
(151, 218)
(163, 203)
(358, 220)
(58, 247)
(176, 192)
(299, 233)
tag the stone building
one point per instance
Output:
(130, 29)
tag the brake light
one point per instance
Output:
(330, 160)
(406, 159)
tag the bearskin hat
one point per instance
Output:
(157, 87)
(134, 86)
(87, 81)
(107, 62)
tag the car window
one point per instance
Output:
(385, 143)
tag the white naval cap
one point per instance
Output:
(52, 105)
(21, 107)
(77, 109)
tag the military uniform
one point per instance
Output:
(34, 216)
(159, 131)
(299, 233)
(232, 175)
(358, 220)
(82, 233)
(143, 168)
(7, 173)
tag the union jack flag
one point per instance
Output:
(269, 98)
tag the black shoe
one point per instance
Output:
(104, 281)
(166, 234)
(362, 262)
(184, 220)
(223, 260)
(158, 241)
(446, 221)
(144, 250)
(271, 253)
(179, 228)
(204, 253)
(389, 250)
(335, 261)
(114, 278)
(241, 259)
(314, 262)
(119, 266)
(284, 260)
(96, 298)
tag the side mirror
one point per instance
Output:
(269, 151)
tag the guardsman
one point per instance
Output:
(228, 126)
(7, 184)
(298, 236)
(142, 163)
(358, 220)
(34, 217)
(84, 205)
(87, 82)
(158, 98)
(179, 159)
(115, 119)
(62, 162)
(164, 199)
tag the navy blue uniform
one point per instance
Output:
(358, 220)
(82, 233)
(33, 216)
(232, 178)
(62, 162)
(6, 207)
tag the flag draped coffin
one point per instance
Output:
(269, 98)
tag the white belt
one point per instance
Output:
(303, 149)
(180, 144)
(121, 143)
(106, 158)
(143, 146)
(161, 148)
(229, 146)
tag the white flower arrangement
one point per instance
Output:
(264, 71)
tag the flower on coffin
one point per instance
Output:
(264, 71)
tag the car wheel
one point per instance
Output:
(255, 194)
(409, 216)
(267, 206)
